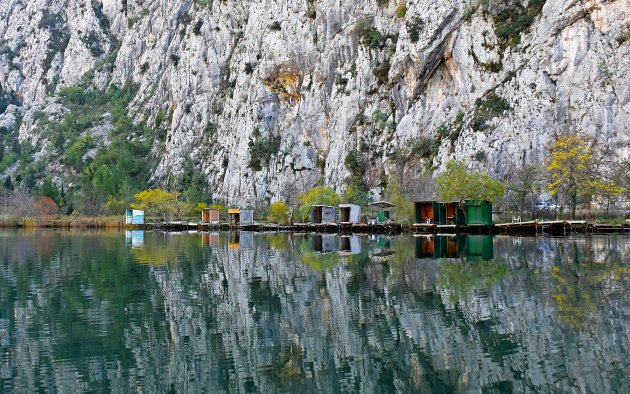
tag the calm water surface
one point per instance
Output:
(156, 312)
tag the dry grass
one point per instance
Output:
(67, 222)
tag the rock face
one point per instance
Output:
(268, 97)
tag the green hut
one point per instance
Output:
(478, 212)
(451, 213)
(427, 212)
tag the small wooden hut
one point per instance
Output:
(451, 213)
(134, 216)
(383, 211)
(209, 216)
(240, 217)
(349, 213)
(427, 212)
(478, 212)
(321, 214)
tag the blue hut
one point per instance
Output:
(134, 216)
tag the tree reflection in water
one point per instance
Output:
(280, 312)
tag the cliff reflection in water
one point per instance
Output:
(245, 312)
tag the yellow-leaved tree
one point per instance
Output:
(321, 195)
(160, 204)
(279, 213)
(575, 169)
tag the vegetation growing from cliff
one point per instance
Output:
(488, 107)
(624, 36)
(369, 35)
(118, 163)
(511, 22)
(261, 150)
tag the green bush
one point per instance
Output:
(205, 3)
(279, 213)
(401, 10)
(424, 147)
(493, 104)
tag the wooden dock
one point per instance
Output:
(554, 227)
(560, 227)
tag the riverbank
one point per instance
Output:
(556, 227)
(64, 222)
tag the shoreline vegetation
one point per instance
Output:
(118, 222)
(64, 222)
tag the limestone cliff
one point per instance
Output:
(269, 97)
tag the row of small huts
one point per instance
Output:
(468, 212)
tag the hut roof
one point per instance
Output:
(382, 204)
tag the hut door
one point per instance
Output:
(344, 214)
(427, 212)
(474, 215)
(451, 213)
(318, 215)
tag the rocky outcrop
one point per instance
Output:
(486, 82)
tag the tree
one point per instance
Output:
(524, 184)
(356, 194)
(279, 213)
(48, 189)
(575, 168)
(193, 184)
(456, 183)
(8, 185)
(45, 206)
(320, 195)
(403, 207)
(158, 203)
(570, 165)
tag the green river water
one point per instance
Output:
(247, 312)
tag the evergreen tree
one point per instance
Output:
(8, 185)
